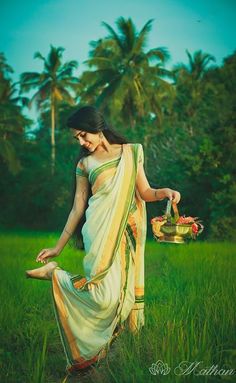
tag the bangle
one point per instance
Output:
(67, 232)
(158, 198)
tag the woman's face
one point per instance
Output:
(89, 140)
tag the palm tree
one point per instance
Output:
(124, 82)
(53, 86)
(189, 83)
(12, 122)
(197, 66)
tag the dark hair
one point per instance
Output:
(89, 119)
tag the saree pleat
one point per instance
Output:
(89, 307)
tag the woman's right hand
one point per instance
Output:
(45, 254)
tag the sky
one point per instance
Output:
(30, 26)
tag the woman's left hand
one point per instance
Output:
(173, 195)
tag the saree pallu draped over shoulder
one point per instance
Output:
(88, 308)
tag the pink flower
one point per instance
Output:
(185, 220)
(157, 219)
(194, 228)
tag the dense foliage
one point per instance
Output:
(185, 118)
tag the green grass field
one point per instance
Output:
(189, 311)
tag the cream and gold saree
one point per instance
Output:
(88, 308)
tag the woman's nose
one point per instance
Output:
(81, 140)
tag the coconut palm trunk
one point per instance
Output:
(53, 84)
(53, 145)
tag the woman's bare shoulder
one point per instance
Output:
(81, 161)
(82, 165)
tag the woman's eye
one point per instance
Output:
(80, 135)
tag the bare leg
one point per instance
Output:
(44, 272)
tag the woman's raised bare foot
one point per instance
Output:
(44, 272)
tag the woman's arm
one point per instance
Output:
(77, 211)
(149, 194)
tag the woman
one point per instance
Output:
(111, 190)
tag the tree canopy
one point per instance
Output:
(184, 117)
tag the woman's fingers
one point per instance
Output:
(43, 259)
(176, 196)
(41, 255)
(45, 254)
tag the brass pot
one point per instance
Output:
(173, 233)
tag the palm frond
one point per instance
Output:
(160, 53)
(65, 73)
(8, 154)
(141, 39)
(65, 96)
(53, 61)
(107, 92)
(4, 67)
(114, 35)
(42, 94)
(38, 55)
(102, 62)
(26, 77)
(128, 33)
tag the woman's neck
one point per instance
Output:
(105, 147)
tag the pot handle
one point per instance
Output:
(168, 211)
